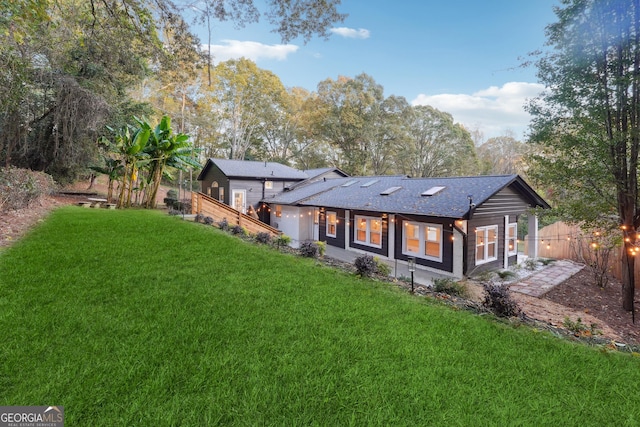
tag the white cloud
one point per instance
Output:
(351, 33)
(494, 110)
(234, 49)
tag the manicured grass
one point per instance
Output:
(136, 318)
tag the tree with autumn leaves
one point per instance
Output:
(587, 123)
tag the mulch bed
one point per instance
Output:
(582, 294)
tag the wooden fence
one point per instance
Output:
(563, 241)
(207, 206)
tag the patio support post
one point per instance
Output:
(505, 252)
(532, 251)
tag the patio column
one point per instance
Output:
(505, 253)
(391, 236)
(532, 242)
(346, 229)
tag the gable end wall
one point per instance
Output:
(505, 202)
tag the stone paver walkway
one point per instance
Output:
(543, 281)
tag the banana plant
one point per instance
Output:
(129, 145)
(114, 170)
(164, 149)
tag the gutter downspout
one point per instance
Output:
(465, 251)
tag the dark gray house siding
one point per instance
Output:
(447, 243)
(340, 237)
(256, 180)
(505, 202)
(492, 212)
(472, 267)
(384, 250)
(212, 182)
(255, 189)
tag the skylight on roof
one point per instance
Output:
(390, 190)
(370, 183)
(433, 190)
(348, 183)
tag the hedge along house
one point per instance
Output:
(242, 184)
(453, 226)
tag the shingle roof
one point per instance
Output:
(451, 202)
(299, 194)
(315, 172)
(254, 169)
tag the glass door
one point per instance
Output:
(238, 198)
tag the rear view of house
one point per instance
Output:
(454, 226)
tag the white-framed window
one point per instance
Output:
(486, 244)
(368, 231)
(332, 224)
(422, 240)
(512, 239)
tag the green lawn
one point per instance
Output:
(135, 318)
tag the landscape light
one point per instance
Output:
(411, 263)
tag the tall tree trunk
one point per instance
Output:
(628, 279)
(110, 190)
(123, 188)
(156, 179)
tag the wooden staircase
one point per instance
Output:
(208, 206)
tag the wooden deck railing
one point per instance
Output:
(208, 206)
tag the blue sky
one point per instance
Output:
(460, 56)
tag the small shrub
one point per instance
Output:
(199, 218)
(530, 264)
(449, 286)
(172, 194)
(19, 187)
(283, 240)
(238, 230)
(546, 261)
(366, 266)
(224, 224)
(498, 299)
(309, 249)
(485, 276)
(322, 248)
(263, 237)
(184, 205)
(381, 267)
(174, 212)
(208, 220)
(506, 274)
(579, 328)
